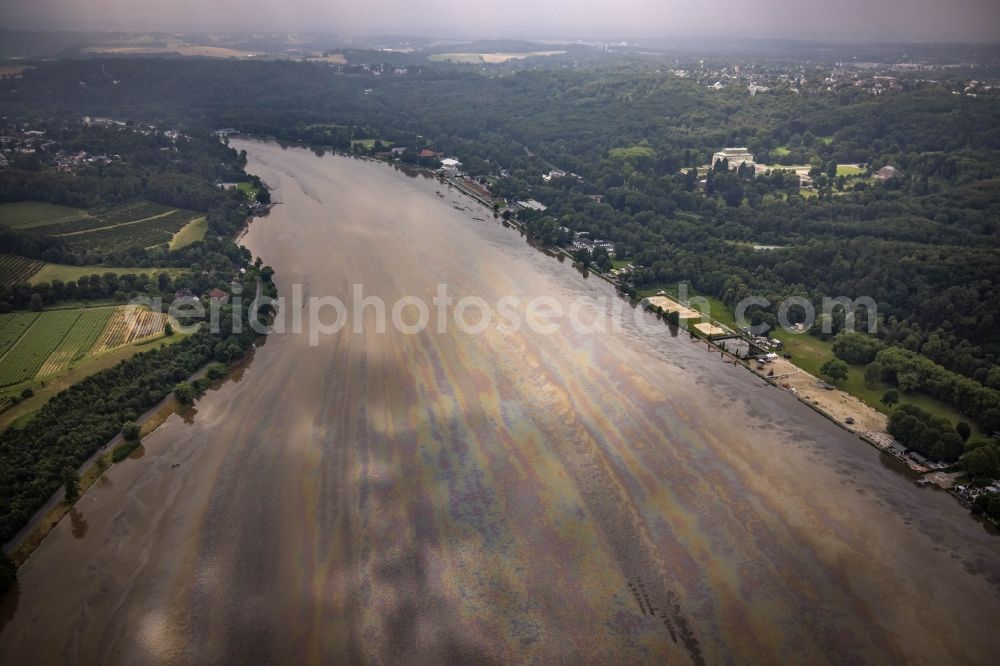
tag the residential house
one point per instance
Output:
(217, 295)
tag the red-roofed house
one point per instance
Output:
(217, 294)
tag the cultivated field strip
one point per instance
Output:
(139, 224)
(45, 334)
(132, 212)
(48, 343)
(91, 224)
(12, 327)
(14, 269)
(130, 324)
(28, 215)
(123, 215)
(143, 233)
(78, 341)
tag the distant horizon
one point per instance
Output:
(632, 40)
(852, 21)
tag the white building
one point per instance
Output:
(451, 165)
(531, 204)
(735, 156)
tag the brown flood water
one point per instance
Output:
(509, 496)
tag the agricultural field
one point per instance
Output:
(149, 232)
(140, 210)
(23, 360)
(141, 223)
(14, 269)
(12, 327)
(78, 341)
(128, 325)
(50, 272)
(43, 345)
(489, 58)
(193, 232)
(113, 217)
(334, 58)
(193, 50)
(26, 215)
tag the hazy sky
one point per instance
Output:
(875, 20)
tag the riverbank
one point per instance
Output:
(838, 406)
(48, 517)
(34, 532)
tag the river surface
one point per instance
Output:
(511, 495)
